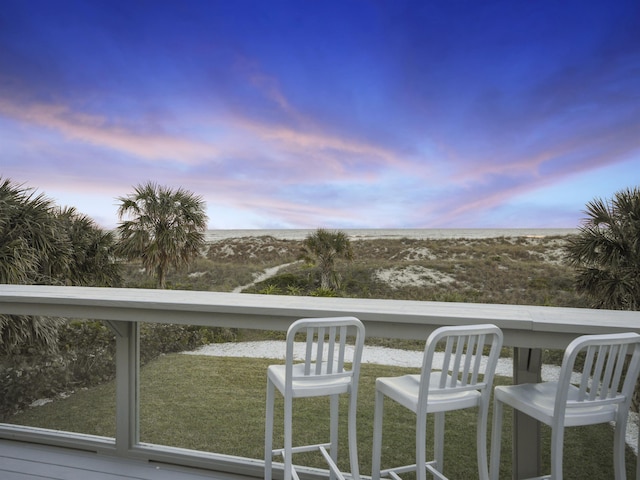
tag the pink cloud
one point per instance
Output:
(296, 136)
(244, 141)
(98, 131)
(336, 157)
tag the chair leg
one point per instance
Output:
(638, 458)
(288, 440)
(481, 432)
(438, 440)
(333, 431)
(496, 439)
(377, 436)
(268, 431)
(353, 437)
(619, 444)
(421, 445)
(557, 437)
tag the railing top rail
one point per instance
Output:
(524, 325)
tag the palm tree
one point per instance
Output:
(322, 248)
(40, 244)
(166, 228)
(606, 252)
(28, 248)
(31, 247)
(92, 261)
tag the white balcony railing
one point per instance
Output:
(527, 328)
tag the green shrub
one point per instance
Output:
(26, 378)
(161, 338)
(90, 350)
(269, 289)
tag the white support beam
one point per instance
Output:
(127, 387)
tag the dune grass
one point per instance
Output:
(510, 270)
(217, 405)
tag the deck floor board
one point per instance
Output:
(25, 461)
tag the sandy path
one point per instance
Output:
(267, 273)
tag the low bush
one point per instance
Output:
(26, 378)
(159, 339)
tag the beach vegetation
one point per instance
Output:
(606, 255)
(324, 292)
(162, 228)
(606, 252)
(93, 260)
(322, 249)
(519, 271)
(43, 244)
(270, 289)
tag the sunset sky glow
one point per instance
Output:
(334, 113)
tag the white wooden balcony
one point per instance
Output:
(29, 453)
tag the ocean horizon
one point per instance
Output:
(394, 233)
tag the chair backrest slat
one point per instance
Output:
(343, 347)
(469, 373)
(319, 349)
(478, 358)
(607, 377)
(596, 377)
(331, 344)
(308, 358)
(584, 379)
(606, 359)
(446, 360)
(455, 368)
(618, 373)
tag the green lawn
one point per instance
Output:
(217, 405)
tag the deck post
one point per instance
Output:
(127, 386)
(527, 367)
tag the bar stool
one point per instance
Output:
(600, 392)
(464, 381)
(322, 373)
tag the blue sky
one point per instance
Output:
(337, 114)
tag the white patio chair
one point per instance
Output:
(464, 381)
(322, 373)
(602, 393)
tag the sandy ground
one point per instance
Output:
(377, 355)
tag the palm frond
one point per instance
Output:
(606, 251)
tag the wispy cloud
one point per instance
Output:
(100, 131)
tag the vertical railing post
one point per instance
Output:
(527, 367)
(127, 385)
